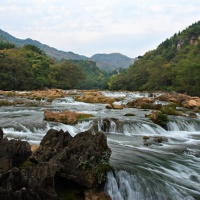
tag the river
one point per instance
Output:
(168, 171)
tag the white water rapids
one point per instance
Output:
(168, 171)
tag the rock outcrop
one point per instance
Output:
(12, 152)
(28, 184)
(144, 103)
(82, 159)
(115, 106)
(181, 100)
(158, 118)
(65, 117)
(94, 97)
(154, 140)
(95, 195)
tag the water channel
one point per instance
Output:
(168, 171)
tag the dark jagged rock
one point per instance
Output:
(1, 134)
(12, 152)
(82, 159)
(28, 184)
(95, 195)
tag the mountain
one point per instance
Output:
(50, 51)
(110, 62)
(107, 62)
(173, 66)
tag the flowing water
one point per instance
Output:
(167, 171)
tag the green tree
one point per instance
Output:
(68, 75)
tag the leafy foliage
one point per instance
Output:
(173, 66)
(28, 68)
(94, 77)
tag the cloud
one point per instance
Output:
(91, 26)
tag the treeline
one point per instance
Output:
(28, 68)
(173, 66)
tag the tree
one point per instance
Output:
(67, 75)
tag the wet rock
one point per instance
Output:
(28, 184)
(192, 115)
(114, 106)
(96, 195)
(158, 118)
(49, 93)
(173, 97)
(105, 125)
(154, 140)
(171, 109)
(181, 100)
(1, 134)
(146, 137)
(94, 97)
(129, 114)
(191, 103)
(66, 117)
(144, 103)
(82, 159)
(12, 153)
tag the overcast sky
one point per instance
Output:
(87, 27)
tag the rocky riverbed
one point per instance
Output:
(154, 139)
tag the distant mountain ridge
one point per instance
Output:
(50, 51)
(107, 62)
(112, 61)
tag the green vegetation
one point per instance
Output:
(170, 110)
(26, 164)
(100, 166)
(173, 66)
(28, 68)
(94, 77)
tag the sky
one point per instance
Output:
(87, 27)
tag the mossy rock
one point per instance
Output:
(170, 110)
(26, 164)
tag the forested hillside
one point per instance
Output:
(28, 68)
(50, 51)
(94, 77)
(106, 62)
(173, 66)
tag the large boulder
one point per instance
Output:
(28, 184)
(94, 97)
(96, 195)
(82, 159)
(115, 106)
(191, 103)
(158, 118)
(144, 103)
(12, 152)
(66, 117)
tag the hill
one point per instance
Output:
(107, 62)
(110, 62)
(50, 51)
(173, 66)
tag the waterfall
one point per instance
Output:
(129, 127)
(184, 125)
(124, 186)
